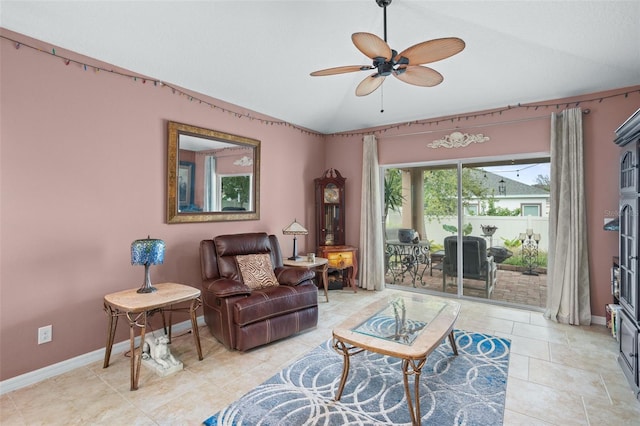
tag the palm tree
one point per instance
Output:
(393, 198)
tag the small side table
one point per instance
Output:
(137, 307)
(321, 265)
(407, 260)
(341, 258)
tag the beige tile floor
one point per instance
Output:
(558, 375)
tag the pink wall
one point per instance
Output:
(82, 174)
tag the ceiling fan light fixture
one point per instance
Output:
(406, 66)
(401, 60)
(400, 70)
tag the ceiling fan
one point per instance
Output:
(406, 66)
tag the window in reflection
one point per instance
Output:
(235, 191)
(215, 180)
(210, 203)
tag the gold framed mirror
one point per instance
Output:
(211, 176)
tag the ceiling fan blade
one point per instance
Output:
(419, 76)
(371, 45)
(432, 50)
(369, 84)
(341, 70)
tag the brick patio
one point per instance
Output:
(511, 286)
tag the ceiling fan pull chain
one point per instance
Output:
(381, 100)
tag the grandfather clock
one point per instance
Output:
(330, 209)
(330, 225)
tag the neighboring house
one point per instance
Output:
(531, 200)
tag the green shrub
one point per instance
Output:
(517, 260)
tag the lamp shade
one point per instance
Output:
(295, 229)
(147, 252)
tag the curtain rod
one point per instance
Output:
(521, 120)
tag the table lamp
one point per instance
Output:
(295, 229)
(147, 252)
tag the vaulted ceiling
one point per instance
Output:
(258, 54)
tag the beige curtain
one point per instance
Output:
(371, 243)
(568, 298)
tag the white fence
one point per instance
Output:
(509, 227)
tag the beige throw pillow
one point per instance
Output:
(256, 270)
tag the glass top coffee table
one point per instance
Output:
(405, 327)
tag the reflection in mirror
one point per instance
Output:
(212, 176)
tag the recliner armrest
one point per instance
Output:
(293, 276)
(225, 287)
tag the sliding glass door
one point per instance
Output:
(421, 206)
(473, 229)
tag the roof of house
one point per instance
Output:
(514, 188)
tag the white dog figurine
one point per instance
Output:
(156, 348)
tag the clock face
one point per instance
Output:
(331, 194)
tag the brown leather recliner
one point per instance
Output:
(242, 318)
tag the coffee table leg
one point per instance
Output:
(413, 368)
(452, 340)
(344, 350)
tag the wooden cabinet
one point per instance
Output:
(629, 170)
(628, 251)
(615, 279)
(628, 357)
(628, 137)
(330, 217)
(330, 226)
(343, 259)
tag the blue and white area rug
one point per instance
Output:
(468, 389)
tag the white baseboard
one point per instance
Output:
(53, 370)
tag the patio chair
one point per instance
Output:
(477, 264)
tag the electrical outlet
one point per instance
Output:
(44, 334)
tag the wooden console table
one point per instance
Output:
(137, 307)
(342, 258)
